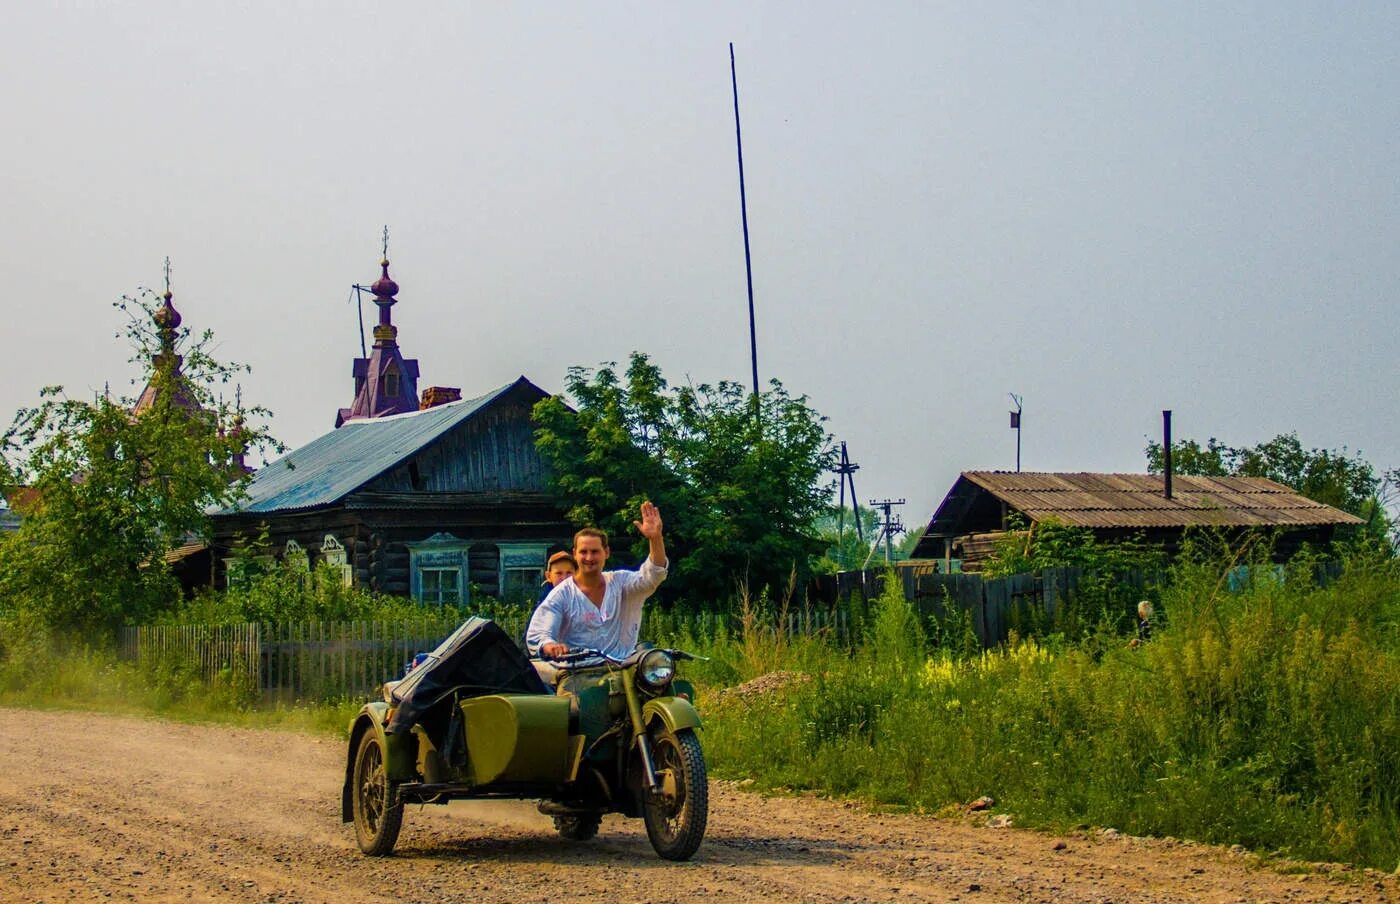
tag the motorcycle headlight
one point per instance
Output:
(656, 669)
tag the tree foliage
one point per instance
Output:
(740, 494)
(847, 549)
(105, 494)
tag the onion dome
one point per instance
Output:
(384, 287)
(165, 316)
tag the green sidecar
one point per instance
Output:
(585, 735)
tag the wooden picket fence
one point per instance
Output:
(309, 660)
(323, 660)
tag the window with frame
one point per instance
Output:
(440, 586)
(437, 570)
(521, 571)
(389, 382)
(296, 560)
(240, 572)
(333, 554)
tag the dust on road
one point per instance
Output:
(109, 808)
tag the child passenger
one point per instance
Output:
(561, 565)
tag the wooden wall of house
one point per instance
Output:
(390, 531)
(376, 540)
(492, 451)
(308, 529)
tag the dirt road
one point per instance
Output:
(105, 808)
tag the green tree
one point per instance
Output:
(741, 495)
(845, 549)
(106, 493)
(1215, 459)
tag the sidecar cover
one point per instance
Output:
(479, 658)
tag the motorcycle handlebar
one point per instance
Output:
(574, 656)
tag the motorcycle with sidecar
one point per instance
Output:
(585, 735)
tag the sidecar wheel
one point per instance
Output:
(676, 816)
(578, 828)
(378, 809)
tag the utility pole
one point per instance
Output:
(890, 526)
(847, 469)
(1016, 425)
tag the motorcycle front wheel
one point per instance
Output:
(378, 810)
(675, 815)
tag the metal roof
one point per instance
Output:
(1134, 501)
(332, 466)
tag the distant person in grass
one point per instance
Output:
(1144, 624)
(596, 609)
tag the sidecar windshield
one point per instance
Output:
(478, 659)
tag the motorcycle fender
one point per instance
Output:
(400, 751)
(675, 713)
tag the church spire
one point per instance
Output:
(384, 290)
(386, 382)
(165, 363)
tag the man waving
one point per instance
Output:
(596, 609)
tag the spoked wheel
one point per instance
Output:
(378, 810)
(676, 814)
(578, 828)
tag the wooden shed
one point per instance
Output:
(439, 504)
(976, 511)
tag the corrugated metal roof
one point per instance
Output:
(1136, 500)
(328, 468)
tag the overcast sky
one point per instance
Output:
(1110, 209)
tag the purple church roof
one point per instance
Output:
(386, 382)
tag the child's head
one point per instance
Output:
(1144, 610)
(560, 565)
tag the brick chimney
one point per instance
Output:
(434, 396)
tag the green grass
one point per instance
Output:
(1268, 717)
(95, 681)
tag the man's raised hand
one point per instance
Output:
(650, 525)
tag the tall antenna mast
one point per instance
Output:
(744, 213)
(1016, 425)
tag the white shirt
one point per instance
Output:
(569, 617)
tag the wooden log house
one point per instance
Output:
(977, 510)
(441, 499)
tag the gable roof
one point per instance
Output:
(1130, 501)
(336, 464)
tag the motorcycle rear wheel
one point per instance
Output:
(378, 810)
(675, 818)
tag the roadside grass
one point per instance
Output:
(1268, 716)
(94, 680)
